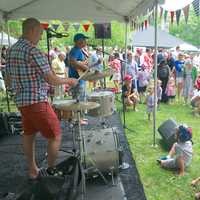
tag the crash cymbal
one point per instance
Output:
(77, 106)
(96, 75)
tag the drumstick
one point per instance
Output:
(82, 75)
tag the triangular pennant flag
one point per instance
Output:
(55, 26)
(196, 5)
(44, 25)
(149, 19)
(172, 16)
(165, 16)
(132, 25)
(142, 25)
(178, 15)
(86, 27)
(186, 13)
(161, 12)
(76, 27)
(145, 24)
(66, 26)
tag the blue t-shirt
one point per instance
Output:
(179, 65)
(76, 54)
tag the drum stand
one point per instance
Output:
(81, 153)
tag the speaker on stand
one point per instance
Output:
(103, 31)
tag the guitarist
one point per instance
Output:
(78, 63)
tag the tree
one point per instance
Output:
(189, 32)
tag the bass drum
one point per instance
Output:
(102, 151)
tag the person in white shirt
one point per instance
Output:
(58, 66)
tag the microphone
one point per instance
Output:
(51, 33)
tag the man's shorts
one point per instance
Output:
(40, 117)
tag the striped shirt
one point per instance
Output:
(26, 65)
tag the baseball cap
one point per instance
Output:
(127, 77)
(79, 36)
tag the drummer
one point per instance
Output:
(78, 63)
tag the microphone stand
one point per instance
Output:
(122, 81)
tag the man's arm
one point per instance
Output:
(80, 65)
(52, 79)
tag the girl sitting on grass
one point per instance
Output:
(180, 155)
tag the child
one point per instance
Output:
(171, 90)
(180, 155)
(116, 66)
(143, 81)
(129, 94)
(150, 101)
(159, 92)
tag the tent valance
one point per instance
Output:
(74, 10)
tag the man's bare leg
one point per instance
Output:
(52, 150)
(29, 151)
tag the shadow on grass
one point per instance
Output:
(163, 145)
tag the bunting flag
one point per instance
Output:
(55, 26)
(66, 26)
(86, 27)
(44, 25)
(165, 16)
(1, 27)
(186, 13)
(145, 24)
(178, 15)
(161, 12)
(142, 26)
(149, 19)
(196, 5)
(76, 27)
(172, 16)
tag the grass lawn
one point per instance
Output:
(160, 184)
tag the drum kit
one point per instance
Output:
(98, 151)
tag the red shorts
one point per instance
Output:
(40, 117)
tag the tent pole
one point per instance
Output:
(9, 44)
(123, 71)
(155, 71)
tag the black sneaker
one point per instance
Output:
(52, 171)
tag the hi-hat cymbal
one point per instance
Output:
(95, 75)
(77, 106)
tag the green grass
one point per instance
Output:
(160, 184)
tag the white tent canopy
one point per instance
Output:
(171, 5)
(74, 10)
(4, 39)
(187, 47)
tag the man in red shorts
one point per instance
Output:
(29, 75)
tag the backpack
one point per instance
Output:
(163, 72)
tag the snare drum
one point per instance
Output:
(106, 99)
(62, 114)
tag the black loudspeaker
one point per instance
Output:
(102, 31)
(168, 131)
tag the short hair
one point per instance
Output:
(28, 24)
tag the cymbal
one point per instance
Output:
(96, 75)
(77, 106)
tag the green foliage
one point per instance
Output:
(190, 31)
